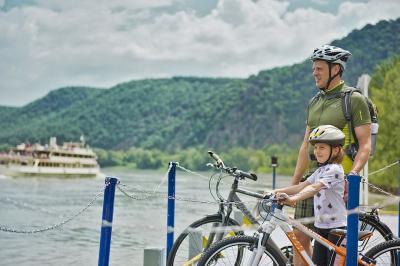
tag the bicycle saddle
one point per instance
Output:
(362, 235)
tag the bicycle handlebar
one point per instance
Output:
(233, 171)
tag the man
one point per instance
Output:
(329, 62)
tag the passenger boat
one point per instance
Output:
(70, 159)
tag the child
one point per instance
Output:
(326, 184)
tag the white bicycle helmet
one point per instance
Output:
(331, 54)
(327, 134)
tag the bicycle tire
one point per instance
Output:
(174, 258)
(372, 223)
(386, 253)
(218, 253)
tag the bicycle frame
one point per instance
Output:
(286, 224)
(233, 198)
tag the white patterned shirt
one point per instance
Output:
(329, 205)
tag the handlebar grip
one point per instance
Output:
(216, 158)
(251, 176)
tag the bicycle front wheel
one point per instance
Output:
(239, 250)
(387, 253)
(191, 242)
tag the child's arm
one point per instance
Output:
(307, 192)
(292, 189)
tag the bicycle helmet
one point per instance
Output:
(327, 134)
(331, 54)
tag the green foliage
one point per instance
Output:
(147, 123)
(197, 158)
(385, 92)
(180, 113)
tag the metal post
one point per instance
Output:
(398, 225)
(362, 84)
(274, 164)
(106, 224)
(352, 220)
(171, 206)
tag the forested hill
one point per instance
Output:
(182, 112)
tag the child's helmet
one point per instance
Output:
(327, 134)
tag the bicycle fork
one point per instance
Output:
(259, 250)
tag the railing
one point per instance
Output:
(108, 204)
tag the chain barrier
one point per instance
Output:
(58, 225)
(391, 200)
(145, 195)
(192, 172)
(384, 168)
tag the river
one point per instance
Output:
(29, 204)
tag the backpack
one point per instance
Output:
(373, 113)
(345, 95)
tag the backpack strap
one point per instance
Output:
(346, 108)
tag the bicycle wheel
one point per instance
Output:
(237, 251)
(381, 232)
(190, 243)
(387, 253)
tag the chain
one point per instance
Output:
(149, 194)
(363, 180)
(384, 168)
(192, 172)
(48, 228)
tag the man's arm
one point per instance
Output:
(302, 159)
(363, 134)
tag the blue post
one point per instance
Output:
(352, 220)
(106, 224)
(171, 206)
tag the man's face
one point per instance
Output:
(320, 73)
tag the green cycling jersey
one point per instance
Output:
(326, 109)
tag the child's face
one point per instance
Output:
(322, 152)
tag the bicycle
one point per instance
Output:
(368, 221)
(387, 253)
(186, 252)
(254, 250)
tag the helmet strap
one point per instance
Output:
(330, 76)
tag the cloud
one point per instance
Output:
(101, 43)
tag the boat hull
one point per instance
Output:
(26, 171)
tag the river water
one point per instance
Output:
(29, 204)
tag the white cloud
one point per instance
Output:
(101, 43)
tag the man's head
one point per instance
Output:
(329, 63)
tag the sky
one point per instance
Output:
(48, 44)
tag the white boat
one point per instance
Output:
(70, 159)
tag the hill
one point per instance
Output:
(181, 112)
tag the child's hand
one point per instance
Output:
(284, 198)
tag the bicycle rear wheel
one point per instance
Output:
(387, 253)
(237, 251)
(381, 232)
(191, 242)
